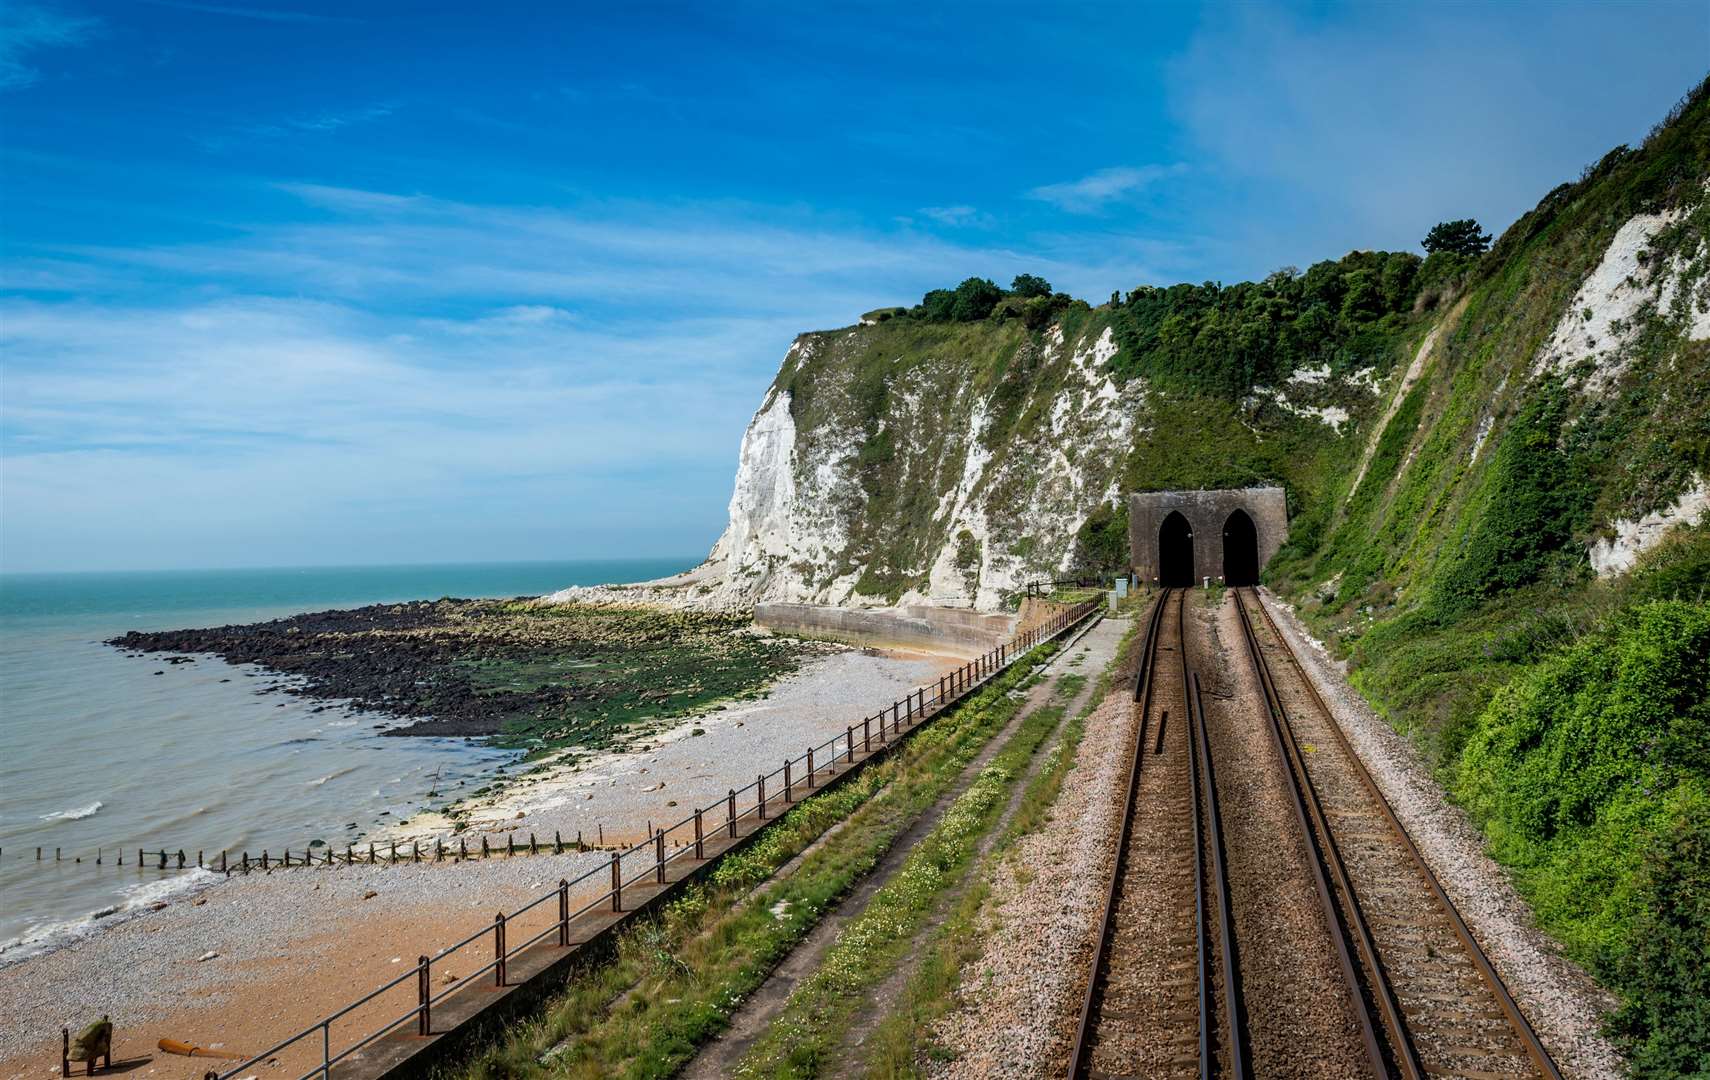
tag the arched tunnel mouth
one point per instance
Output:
(1175, 552)
(1240, 550)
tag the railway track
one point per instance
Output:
(1163, 999)
(1431, 1004)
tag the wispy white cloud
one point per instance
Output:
(628, 255)
(27, 29)
(297, 390)
(1095, 191)
(197, 431)
(954, 215)
(317, 123)
(263, 14)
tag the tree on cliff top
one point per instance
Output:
(1461, 237)
(1029, 285)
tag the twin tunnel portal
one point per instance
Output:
(1179, 538)
(1240, 551)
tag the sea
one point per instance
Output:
(103, 753)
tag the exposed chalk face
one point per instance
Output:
(1415, 369)
(1618, 554)
(1609, 311)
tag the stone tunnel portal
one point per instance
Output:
(1175, 551)
(1226, 536)
(1240, 550)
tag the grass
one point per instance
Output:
(677, 978)
(904, 1040)
(805, 1037)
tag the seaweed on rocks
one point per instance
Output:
(521, 673)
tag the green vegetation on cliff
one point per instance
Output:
(1565, 710)
(1456, 434)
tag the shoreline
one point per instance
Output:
(652, 671)
(350, 922)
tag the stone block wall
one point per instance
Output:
(921, 628)
(1206, 513)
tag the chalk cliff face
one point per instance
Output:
(880, 471)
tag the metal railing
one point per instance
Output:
(1045, 588)
(647, 860)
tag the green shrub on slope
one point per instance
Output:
(1536, 497)
(1590, 774)
(1665, 1021)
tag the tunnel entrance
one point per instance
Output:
(1240, 550)
(1175, 552)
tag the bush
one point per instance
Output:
(1664, 1019)
(1224, 341)
(1535, 497)
(1101, 543)
(1028, 286)
(974, 300)
(1590, 774)
(937, 306)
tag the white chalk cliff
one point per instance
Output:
(1005, 510)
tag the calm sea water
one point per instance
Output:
(101, 752)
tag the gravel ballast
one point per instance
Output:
(1300, 1020)
(1019, 999)
(1563, 1004)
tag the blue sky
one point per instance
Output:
(298, 284)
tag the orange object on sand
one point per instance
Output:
(173, 1046)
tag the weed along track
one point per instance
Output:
(820, 1013)
(1431, 1003)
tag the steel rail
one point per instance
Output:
(1082, 1049)
(1318, 863)
(1209, 863)
(1234, 1006)
(1511, 1010)
(1202, 946)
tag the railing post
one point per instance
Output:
(423, 996)
(941, 689)
(563, 914)
(659, 856)
(810, 768)
(499, 949)
(700, 849)
(326, 1051)
(731, 812)
(896, 717)
(866, 734)
(760, 792)
(788, 797)
(849, 742)
(617, 883)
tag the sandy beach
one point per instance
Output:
(291, 946)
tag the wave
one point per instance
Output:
(332, 776)
(137, 899)
(74, 814)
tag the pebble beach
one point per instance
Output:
(238, 963)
